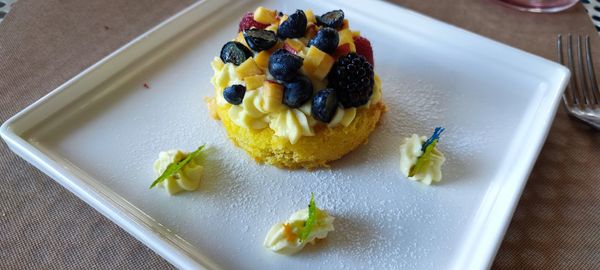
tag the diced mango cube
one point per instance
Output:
(310, 16)
(264, 15)
(253, 82)
(273, 27)
(283, 19)
(308, 68)
(317, 63)
(248, 68)
(272, 96)
(311, 31)
(323, 68)
(293, 45)
(240, 38)
(346, 37)
(262, 59)
(346, 24)
(315, 55)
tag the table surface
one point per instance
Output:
(42, 225)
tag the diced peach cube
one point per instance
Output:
(264, 15)
(272, 96)
(240, 38)
(283, 19)
(315, 56)
(248, 68)
(262, 59)
(323, 68)
(347, 37)
(253, 82)
(311, 31)
(293, 45)
(346, 24)
(273, 27)
(317, 63)
(310, 16)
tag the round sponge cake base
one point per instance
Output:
(308, 152)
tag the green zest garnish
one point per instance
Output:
(434, 137)
(427, 149)
(310, 221)
(176, 166)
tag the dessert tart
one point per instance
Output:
(297, 90)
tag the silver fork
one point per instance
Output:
(582, 97)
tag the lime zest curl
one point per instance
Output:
(427, 149)
(311, 220)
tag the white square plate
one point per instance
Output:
(99, 133)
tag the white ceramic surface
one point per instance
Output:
(99, 133)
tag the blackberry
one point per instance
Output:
(352, 78)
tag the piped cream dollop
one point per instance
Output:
(410, 151)
(224, 75)
(250, 114)
(188, 178)
(283, 237)
(291, 123)
(342, 117)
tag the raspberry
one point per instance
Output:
(352, 78)
(248, 22)
(363, 47)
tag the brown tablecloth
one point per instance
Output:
(44, 43)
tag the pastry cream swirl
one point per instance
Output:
(291, 123)
(250, 113)
(287, 122)
(410, 151)
(283, 237)
(187, 178)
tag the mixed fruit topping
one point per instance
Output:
(314, 60)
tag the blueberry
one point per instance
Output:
(259, 39)
(294, 26)
(297, 92)
(324, 105)
(333, 19)
(326, 40)
(234, 94)
(284, 65)
(235, 52)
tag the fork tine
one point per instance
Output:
(567, 96)
(575, 90)
(591, 72)
(583, 78)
